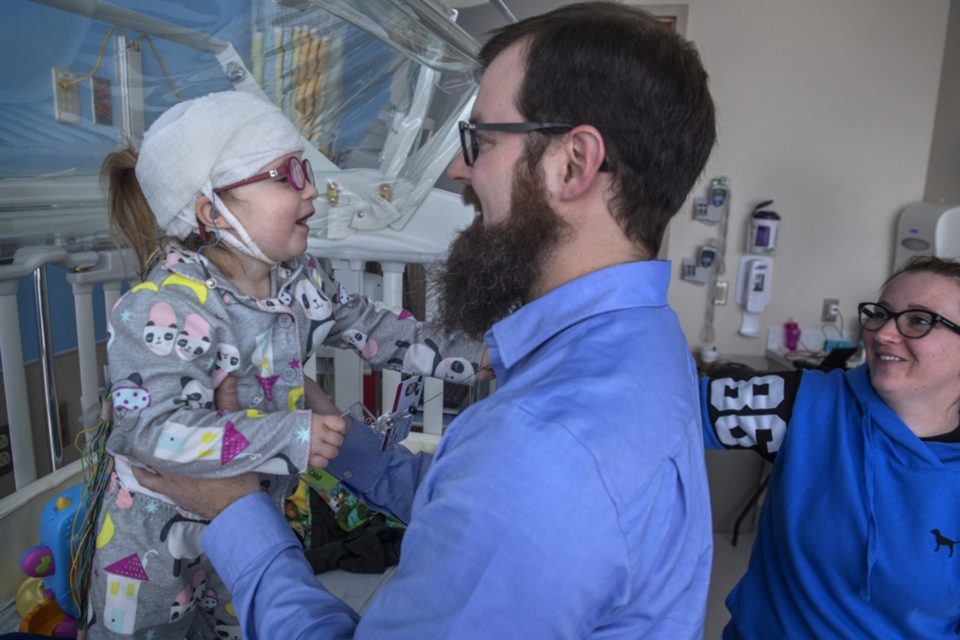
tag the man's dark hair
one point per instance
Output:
(642, 86)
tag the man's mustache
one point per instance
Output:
(470, 199)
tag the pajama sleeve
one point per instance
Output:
(398, 340)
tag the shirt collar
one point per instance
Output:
(633, 284)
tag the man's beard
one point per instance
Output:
(492, 270)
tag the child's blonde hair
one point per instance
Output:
(133, 224)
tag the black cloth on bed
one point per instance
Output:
(370, 548)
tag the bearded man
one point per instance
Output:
(571, 503)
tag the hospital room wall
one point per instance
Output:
(827, 108)
(943, 178)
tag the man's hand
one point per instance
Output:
(226, 395)
(206, 497)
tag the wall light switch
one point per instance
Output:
(66, 100)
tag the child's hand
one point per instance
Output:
(326, 436)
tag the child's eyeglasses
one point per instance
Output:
(297, 171)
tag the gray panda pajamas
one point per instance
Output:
(172, 340)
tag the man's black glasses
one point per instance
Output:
(470, 142)
(912, 323)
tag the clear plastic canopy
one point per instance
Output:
(374, 86)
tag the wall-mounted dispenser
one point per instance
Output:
(753, 291)
(928, 229)
(764, 230)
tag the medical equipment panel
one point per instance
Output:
(374, 86)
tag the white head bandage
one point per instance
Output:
(207, 143)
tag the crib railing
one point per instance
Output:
(32, 261)
(111, 269)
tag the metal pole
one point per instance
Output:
(52, 405)
(129, 19)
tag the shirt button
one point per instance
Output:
(285, 320)
(289, 374)
(347, 475)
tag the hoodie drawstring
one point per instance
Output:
(869, 471)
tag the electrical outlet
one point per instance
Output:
(6, 454)
(831, 310)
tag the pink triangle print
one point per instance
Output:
(129, 567)
(233, 443)
(267, 385)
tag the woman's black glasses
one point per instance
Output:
(912, 323)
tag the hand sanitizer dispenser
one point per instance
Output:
(753, 291)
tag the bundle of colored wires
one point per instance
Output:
(97, 466)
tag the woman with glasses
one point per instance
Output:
(215, 207)
(858, 530)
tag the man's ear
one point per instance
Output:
(585, 153)
(207, 214)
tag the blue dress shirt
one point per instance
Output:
(571, 503)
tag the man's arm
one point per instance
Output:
(244, 561)
(482, 559)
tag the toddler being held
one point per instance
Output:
(215, 207)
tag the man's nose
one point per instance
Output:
(458, 171)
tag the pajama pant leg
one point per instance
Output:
(149, 573)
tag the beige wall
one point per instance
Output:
(828, 109)
(943, 179)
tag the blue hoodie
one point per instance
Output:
(858, 530)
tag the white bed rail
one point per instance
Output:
(111, 269)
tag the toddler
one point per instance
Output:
(230, 291)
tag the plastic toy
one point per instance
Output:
(51, 560)
(48, 620)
